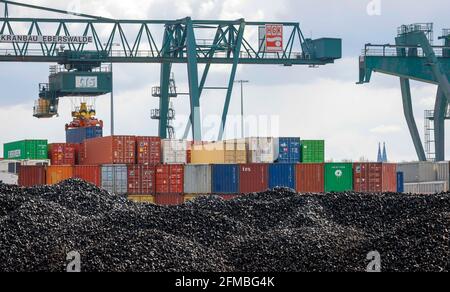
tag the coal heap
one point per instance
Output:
(274, 231)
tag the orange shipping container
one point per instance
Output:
(57, 174)
(110, 150)
(310, 178)
(88, 173)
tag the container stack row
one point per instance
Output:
(425, 177)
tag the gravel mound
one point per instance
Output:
(274, 231)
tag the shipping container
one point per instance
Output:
(225, 179)
(313, 151)
(174, 151)
(115, 178)
(426, 188)
(169, 199)
(9, 178)
(197, 179)
(89, 173)
(262, 150)
(228, 197)
(415, 172)
(147, 199)
(253, 178)
(79, 135)
(338, 177)
(148, 150)
(30, 176)
(26, 149)
(208, 153)
(235, 151)
(57, 174)
(289, 150)
(282, 175)
(10, 166)
(191, 197)
(400, 182)
(374, 177)
(62, 153)
(141, 179)
(443, 171)
(109, 150)
(170, 179)
(310, 178)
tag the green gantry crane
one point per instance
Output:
(414, 57)
(185, 41)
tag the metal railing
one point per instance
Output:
(401, 51)
(54, 69)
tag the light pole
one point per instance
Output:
(242, 105)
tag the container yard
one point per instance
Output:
(284, 194)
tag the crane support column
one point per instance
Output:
(410, 120)
(440, 113)
(192, 65)
(236, 53)
(166, 68)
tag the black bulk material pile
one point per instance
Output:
(274, 231)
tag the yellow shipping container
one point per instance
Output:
(188, 198)
(208, 153)
(142, 199)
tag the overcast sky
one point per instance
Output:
(321, 103)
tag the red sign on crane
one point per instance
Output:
(274, 38)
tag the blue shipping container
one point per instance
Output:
(282, 175)
(290, 150)
(225, 179)
(78, 135)
(400, 182)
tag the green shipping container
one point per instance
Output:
(313, 151)
(26, 149)
(338, 177)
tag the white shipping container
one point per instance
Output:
(174, 151)
(418, 172)
(426, 188)
(9, 178)
(12, 166)
(262, 150)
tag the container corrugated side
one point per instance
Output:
(30, 176)
(62, 153)
(426, 188)
(262, 149)
(141, 179)
(79, 135)
(208, 153)
(225, 179)
(313, 151)
(169, 199)
(174, 151)
(374, 177)
(197, 179)
(310, 178)
(89, 173)
(170, 179)
(148, 150)
(253, 178)
(109, 150)
(400, 182)
(289, 150)
(443, 171)
(418, 171)
(147, 199)
(57, 174)
(26, 149)
(282, 175)
(115, 178)
(9, 178)
(338, 177)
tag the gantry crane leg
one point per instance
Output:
(440, 113)
(410, 120)
(166, 68)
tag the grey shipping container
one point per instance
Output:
(115, 178)
(443, 171)
(418, 172)
(197, 179)
(426, 188)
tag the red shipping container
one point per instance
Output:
(141, 180)
(170, 179)
(253, 178)
(110, 150)
(229, 197)
(374, 177)
(148, 150)
(169, 199)
(62, 153)
(30, 176)
(89, 173)
(310, 178)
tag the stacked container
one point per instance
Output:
(253, 178)
(282, 175)
(310, 178)
(235, 151)
(174, 151)
(62, 153)
(170, 179)
(26, 150)
(115, 178)
(197, 179)
(79, 135)
(89, 173)
(148, 150)
(30, 176)
(208, 153)
(141, 180)
(289, 150)
(57, 174)
(109, 150)
(313, 151)
(262, 150)
(418, 172)
(225, 179)
(338, 177)
(374, 177)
